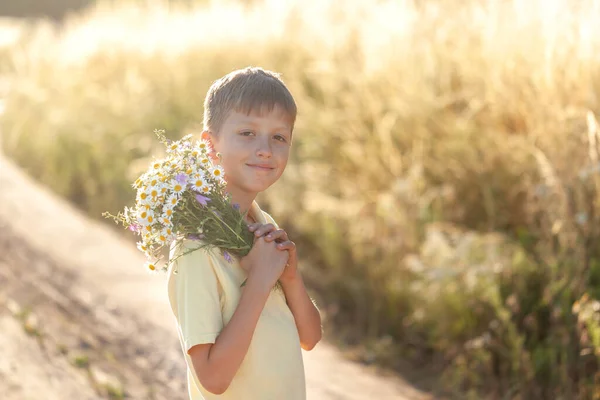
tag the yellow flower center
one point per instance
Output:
(177, 187)
(150, 219)
(143, 195)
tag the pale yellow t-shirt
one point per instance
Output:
(203, 295)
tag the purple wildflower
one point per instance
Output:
(181, 178)
(227, 257)
(196, 237)
(134, 227)
(202, 200)
(236, 206)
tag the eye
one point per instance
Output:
(281, 138)
(244, 133)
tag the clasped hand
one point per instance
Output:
(279, 236)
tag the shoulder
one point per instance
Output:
(270, 219)
(186, 252)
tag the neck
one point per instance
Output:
(244, 199)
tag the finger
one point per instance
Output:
(253, 226)
(287, 245)
(260, 231)
(278, 236)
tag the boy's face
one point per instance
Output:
(254, 148)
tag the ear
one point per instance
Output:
(210, 137)
(206, 135)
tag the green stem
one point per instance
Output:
(233, 231)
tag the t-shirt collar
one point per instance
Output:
(257, 213)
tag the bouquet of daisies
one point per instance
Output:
(182, 196)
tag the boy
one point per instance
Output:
(245, 342)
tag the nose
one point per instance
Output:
(264, 149)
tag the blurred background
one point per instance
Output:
(442, 188)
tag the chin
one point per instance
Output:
(257, 188)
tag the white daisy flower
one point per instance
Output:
(165, 236)
(142, 246)
(156, 165)
(195, 153)
(217, 172)
(152, 180)
(205, 188)
(203, 145)
(178, 186)
(154, 191)
(165, 220)
(142, 195)
(197, 183)
(173, 147)
(156, 202)
(146, 217)
(163, 179)
(205, 163)
(164, 191)
(172, 200)
(167, 212)
(190, 171)
(151, 267)
(142, 206)
(138, 183)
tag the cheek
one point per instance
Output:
(283, 155)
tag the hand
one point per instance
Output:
(264, 263)
(283, 243)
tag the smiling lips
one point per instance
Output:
(261, 167)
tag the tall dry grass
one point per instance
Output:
(478, 113)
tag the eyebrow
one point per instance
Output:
(278, 129)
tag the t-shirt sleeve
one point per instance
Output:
(197, 292)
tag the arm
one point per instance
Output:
(306, 314)
(216, 364)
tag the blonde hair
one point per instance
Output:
(247, 90)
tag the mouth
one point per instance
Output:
(261, 167)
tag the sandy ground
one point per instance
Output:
(80, 319)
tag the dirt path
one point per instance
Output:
(80, 319)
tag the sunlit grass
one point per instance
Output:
(477, 113)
